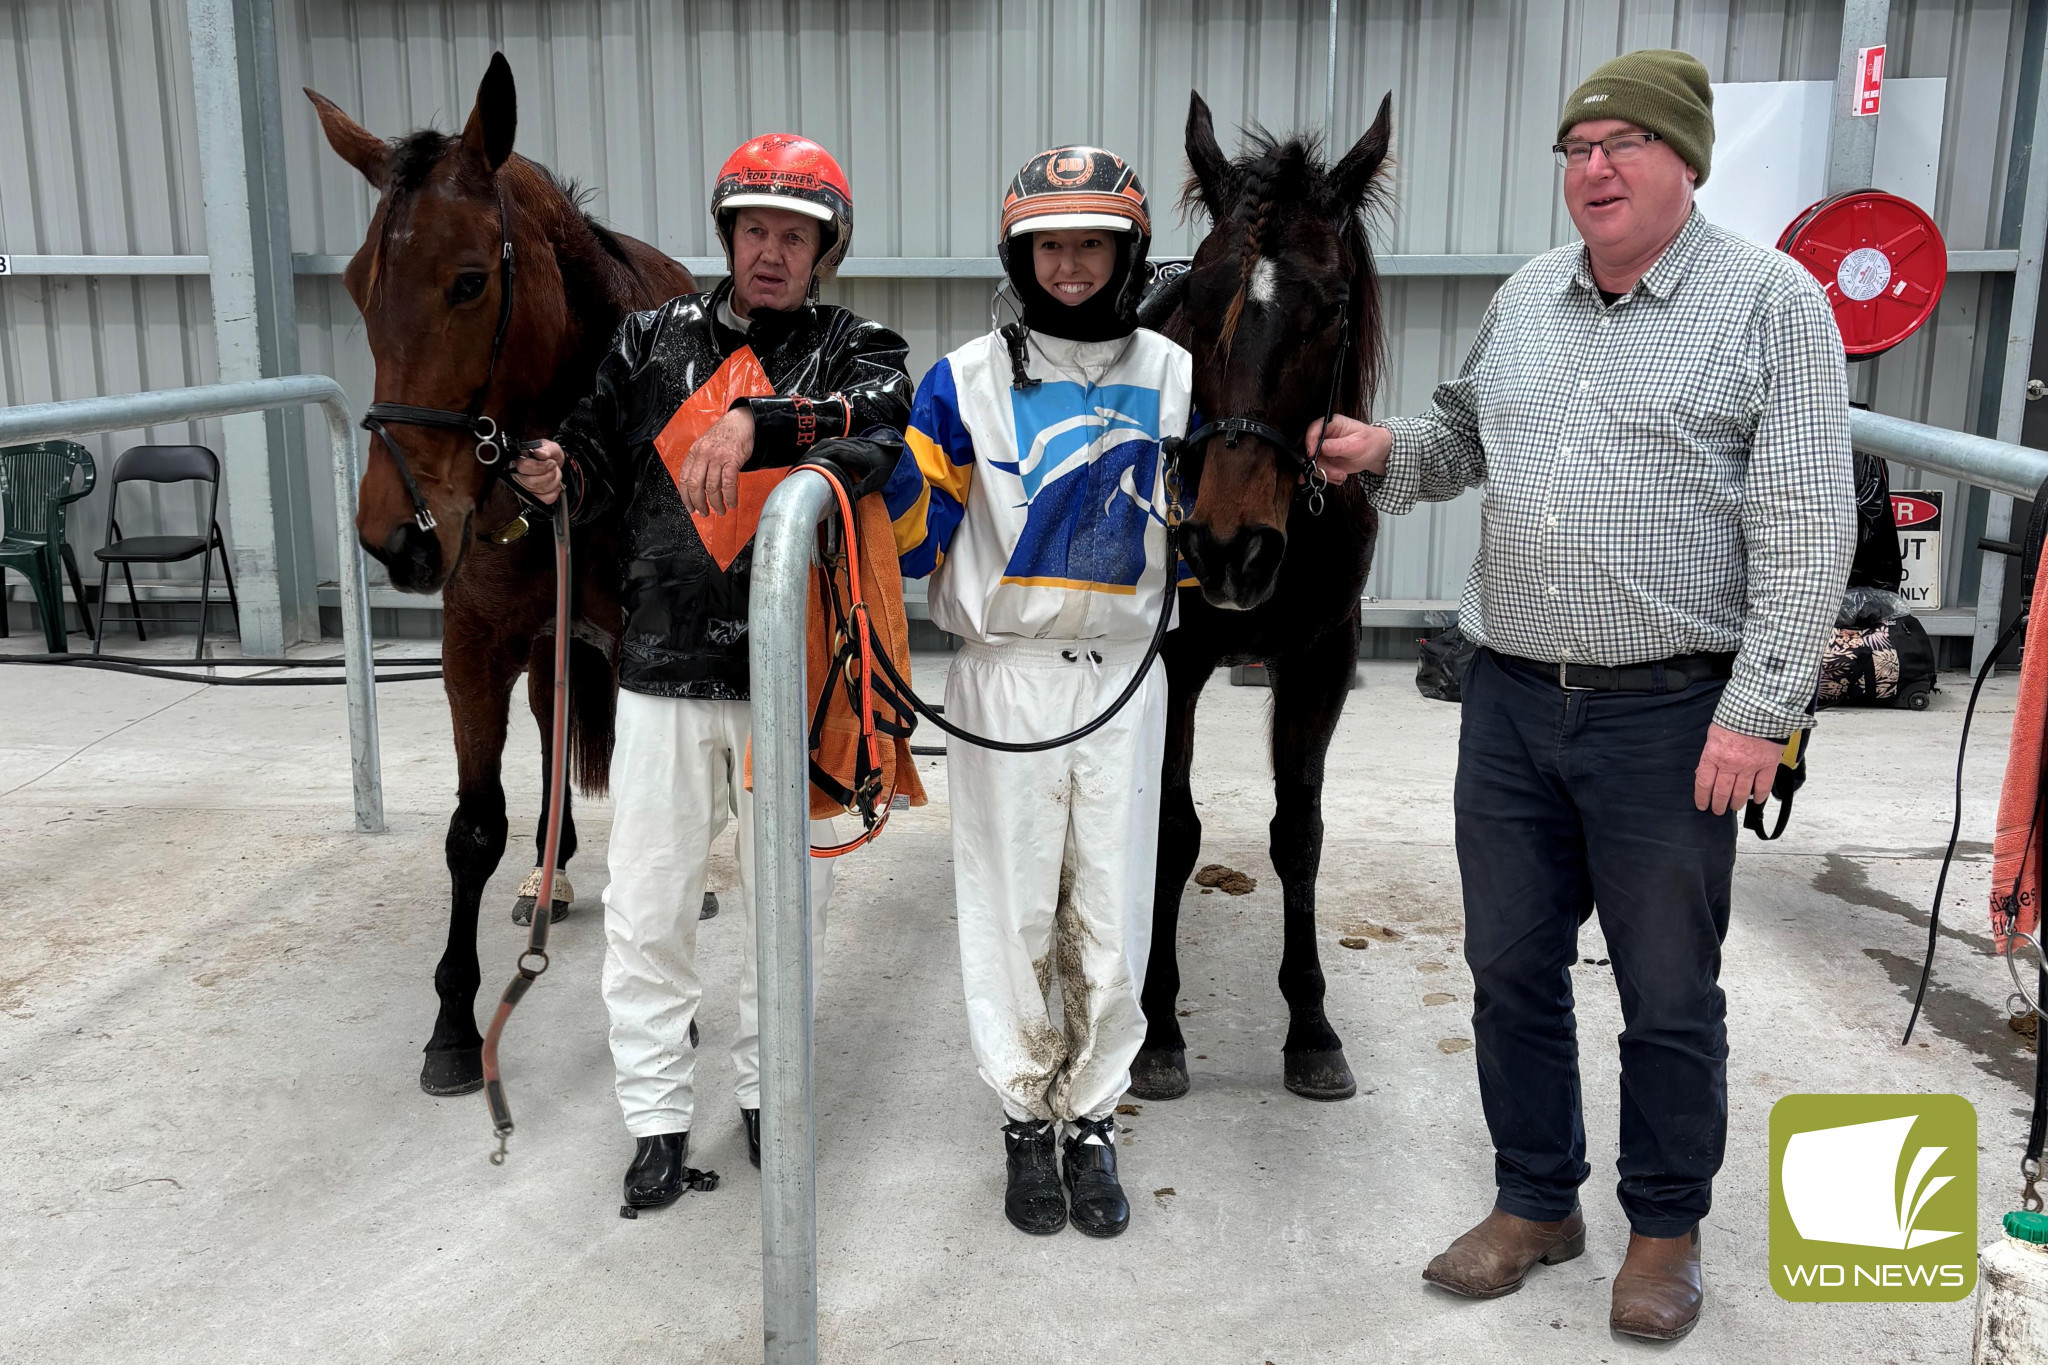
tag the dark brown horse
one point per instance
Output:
(1281, 308)
(431, 280)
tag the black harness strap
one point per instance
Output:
(493, 444)
(1233, 429)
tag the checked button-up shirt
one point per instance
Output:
(1667, 474)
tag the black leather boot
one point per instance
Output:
(752, 1118)
(660, 1173)
(1033, 1202)
(1100, 1209)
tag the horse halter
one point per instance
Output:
(489, 436)
(1234, 429)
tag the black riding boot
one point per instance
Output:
(661, 1172)
(1033, 1201)
(752, 1118)
(1100, 1209)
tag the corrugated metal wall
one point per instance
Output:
(929, 105)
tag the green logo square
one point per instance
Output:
(1873, 1198)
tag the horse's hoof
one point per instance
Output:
(710, 910)
(522, 911)
(1160, 1073)
(529, 892)
(453, 1071)
(1319, 1075)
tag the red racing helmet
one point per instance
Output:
(787, 171)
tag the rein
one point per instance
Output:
(493, 443)
(1232, 429)
(534, 960)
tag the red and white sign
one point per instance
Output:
(1869, 80)
(1918, 515)
(1911, 510)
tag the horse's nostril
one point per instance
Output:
(1262, 551)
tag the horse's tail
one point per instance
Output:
(593, 707)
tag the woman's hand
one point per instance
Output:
(539, 470)
(1349, 446)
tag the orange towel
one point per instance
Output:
(2017, 847)
(881, 585)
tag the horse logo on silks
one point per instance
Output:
(1089, 478)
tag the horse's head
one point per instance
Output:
(1282, 313)
(431, 280)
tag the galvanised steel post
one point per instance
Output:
(248, 244)
(2028, 202)
(777, 612)
(122, 412)
(1852, 139)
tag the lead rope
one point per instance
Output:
(534, 961)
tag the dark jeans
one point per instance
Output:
(1567, 801)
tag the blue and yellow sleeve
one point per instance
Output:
(927, 495)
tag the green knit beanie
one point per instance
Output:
(1660, 91)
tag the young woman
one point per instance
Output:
(1031, 491)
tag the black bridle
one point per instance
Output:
(1233, 429)
(493, 442)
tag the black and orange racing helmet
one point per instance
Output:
(1079, 187)
(786, 171)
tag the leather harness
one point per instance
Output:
(493, 442)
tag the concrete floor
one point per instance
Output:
(213, 994)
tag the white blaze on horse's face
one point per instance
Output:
(1265, 284)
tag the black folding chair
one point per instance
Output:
(164, 464)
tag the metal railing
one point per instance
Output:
(782, 918)
(1996, 465)
(122, 412)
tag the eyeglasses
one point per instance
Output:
(1621, 149)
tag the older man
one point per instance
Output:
(1659, 419)
(696, 411)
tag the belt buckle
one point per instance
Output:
(1562, 665)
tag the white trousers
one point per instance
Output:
(678, 772)
(1053, 867)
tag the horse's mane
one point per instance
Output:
(415, 155)
(1275, 180)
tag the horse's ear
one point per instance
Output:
(1206, 162)
(1362, 165)
(494, 122)
(352, 142)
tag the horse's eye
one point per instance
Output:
(468, 285)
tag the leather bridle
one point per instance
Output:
(493, 442)
(1233, 429)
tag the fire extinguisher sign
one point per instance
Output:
(1869, 80)
(1918, 517)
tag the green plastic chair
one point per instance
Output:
(35, 489)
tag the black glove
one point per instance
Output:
(862, 464)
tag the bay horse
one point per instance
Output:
(1281, 309)
(459, 220)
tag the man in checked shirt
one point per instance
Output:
(1658, 419)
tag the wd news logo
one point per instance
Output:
(1873, 1198)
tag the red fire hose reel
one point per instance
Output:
(1881, 260)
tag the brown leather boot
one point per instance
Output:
(1491, 1259)
(1657, 1290)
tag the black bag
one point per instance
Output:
(1441, 662)
(1885, 665)
(1877, 563)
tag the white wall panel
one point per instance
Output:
(930, 104)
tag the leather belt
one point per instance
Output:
(1667, 675)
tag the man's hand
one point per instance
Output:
(710, 477)
(1349, 446)
(539, 471)
(1734, 769)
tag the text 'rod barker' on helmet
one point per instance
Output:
(787, 171)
